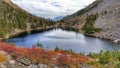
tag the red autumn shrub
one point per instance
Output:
(64, 59)
(38, 55)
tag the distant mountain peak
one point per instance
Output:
(58, 18)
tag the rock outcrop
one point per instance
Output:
(108, 18)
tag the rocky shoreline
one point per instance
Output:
(21, 63)
(97, 35)
(18, 32)
(26, 63)
(116, 41)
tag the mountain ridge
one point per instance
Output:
(107, 19)
(57, 18)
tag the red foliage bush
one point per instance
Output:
(38, 55)
(64, 59)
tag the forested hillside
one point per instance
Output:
(13, 18)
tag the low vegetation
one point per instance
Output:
(45, 56)
(89, 25)
(107, 59)
(3, 58)
(104, 59)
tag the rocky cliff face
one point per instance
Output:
(108, 18)
(109, 22)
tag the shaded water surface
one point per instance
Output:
(65, 40)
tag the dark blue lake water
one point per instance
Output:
(65, 40)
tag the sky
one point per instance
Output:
(52, 8)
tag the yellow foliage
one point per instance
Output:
(3, 58)
(72, 66)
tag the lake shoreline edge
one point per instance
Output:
(16, 33)
(115, 41)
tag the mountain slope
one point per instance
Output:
(13, 18)
(101, 19)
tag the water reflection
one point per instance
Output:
(66, 40)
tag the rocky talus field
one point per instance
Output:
(107, 19)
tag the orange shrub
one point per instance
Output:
(3, 58)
